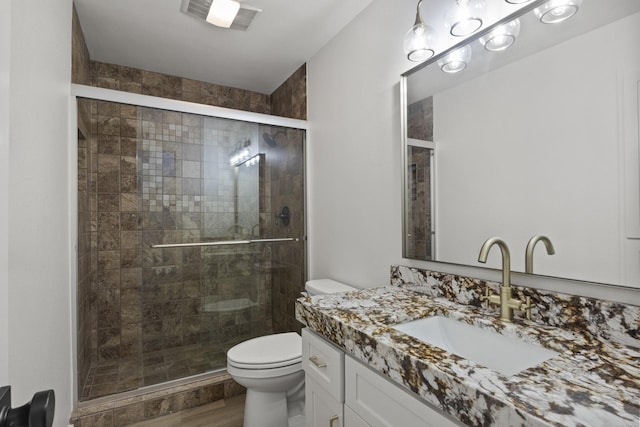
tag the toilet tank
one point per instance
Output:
(326, 286)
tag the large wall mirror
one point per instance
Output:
(538, 139)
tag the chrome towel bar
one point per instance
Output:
(226, 242)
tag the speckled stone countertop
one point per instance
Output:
(592, 382)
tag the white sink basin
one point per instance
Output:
(506, 355)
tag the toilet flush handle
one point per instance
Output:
(315, 361)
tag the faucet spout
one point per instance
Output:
(506, 258)
(528, 266)
(506, 301)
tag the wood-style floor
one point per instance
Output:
(223, 413)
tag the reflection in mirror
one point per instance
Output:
(419, 242)
(539, 139)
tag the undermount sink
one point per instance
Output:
(507, 355)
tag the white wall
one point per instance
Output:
(39, 319)
(5, 51)
(354, 147)
(515, 160)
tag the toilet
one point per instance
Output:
(270, 367)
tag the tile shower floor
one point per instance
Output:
(105, 378)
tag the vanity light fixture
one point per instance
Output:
(465, 17)
(223, 12)
(456, 61)
(418, 42)
(555, 11)
(502, 37)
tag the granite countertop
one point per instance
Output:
(592, 382)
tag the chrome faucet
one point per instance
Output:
(528, 256)
(505, 299)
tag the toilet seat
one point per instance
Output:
(267, 352)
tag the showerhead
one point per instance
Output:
(271, 139)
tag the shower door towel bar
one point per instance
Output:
(225, 242)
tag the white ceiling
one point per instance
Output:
(156, 35)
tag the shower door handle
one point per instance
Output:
(226, 242)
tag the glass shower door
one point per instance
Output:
(216, 253)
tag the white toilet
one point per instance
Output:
(270, 367)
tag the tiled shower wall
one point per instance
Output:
(420, 119)
(156, 177)
(419, 203)
(285, 170)
(419, 126)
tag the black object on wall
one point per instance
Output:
(284, 216)
(37, 413)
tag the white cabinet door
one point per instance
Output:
(381, 403)
(351, 419)
(321, 409)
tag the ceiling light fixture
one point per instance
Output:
(456, 61)
(418, 42)
(223, 12)
(465, 17)
(502, 37)
(555, 11)
(517, 1)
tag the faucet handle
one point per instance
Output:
(487, 296)
(526, 307)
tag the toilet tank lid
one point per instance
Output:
(326, 286)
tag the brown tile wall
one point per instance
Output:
(80, 61)
(419, 203)
(87, 260)
(286, 188)
(420, 120)
(290, 99)
(134, 80)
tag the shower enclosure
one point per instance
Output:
(185, 247)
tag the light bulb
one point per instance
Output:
(465, 17)
(555, 11)
(501, 37)
(456, 61)
(418, 43)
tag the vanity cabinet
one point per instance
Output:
(343, 392)
(322, 409)
(323, 365)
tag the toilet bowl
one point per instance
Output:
(270, 367)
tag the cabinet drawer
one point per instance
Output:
(324, 363)
(381, 403)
